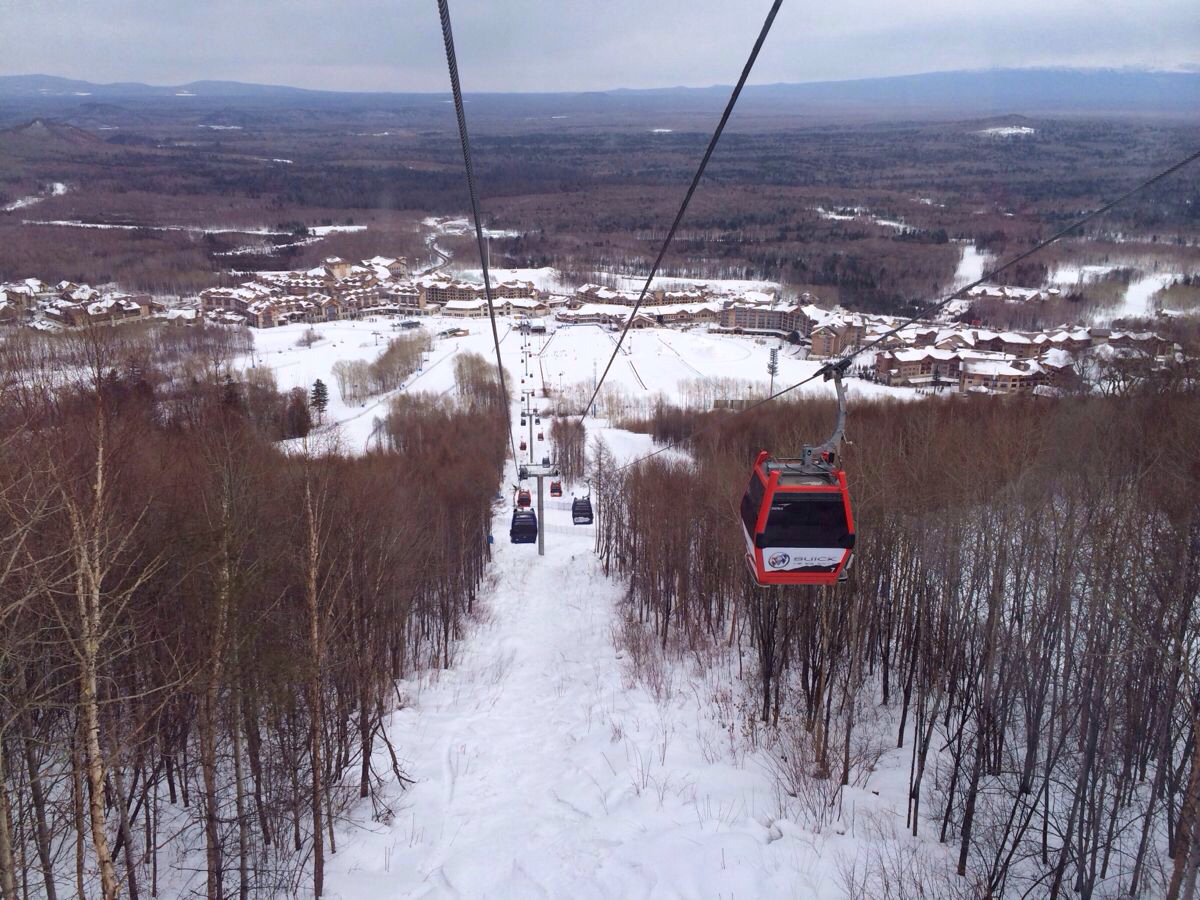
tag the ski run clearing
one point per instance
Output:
(543, 767)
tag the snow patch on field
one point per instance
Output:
(851, 213)
(461, 227)
(718, 285)
(322, 230)
(544, 279)
(971, 266)
(1076, 274)
(57, 189)
(1137, 302)
(1008, 131)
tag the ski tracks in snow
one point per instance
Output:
(542, 770)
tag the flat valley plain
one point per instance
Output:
(862, 204)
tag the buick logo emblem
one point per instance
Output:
(778, 560)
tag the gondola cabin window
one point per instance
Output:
(752, 503)
(808, 519)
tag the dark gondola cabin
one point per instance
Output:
(523, 445)
(524, 498)
(524, 528)
(581, 511)
(556, 489)
(797, 522)
(540, 438)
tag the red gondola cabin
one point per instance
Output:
(556, 489)
(524, 498)
(797, 521)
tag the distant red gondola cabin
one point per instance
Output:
(524, 498)
(556, 489)
(797, 522)
(522, 444)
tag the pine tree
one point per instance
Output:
(320, 399)
(297, 421)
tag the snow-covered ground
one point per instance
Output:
(57, 189)
(848, 214)
(544, 279)
(543, 770)
(542, 766)
(717, 285)
(652, 362)
(1135, 302)
(1008, 131)
(1070, 275)
(460, 226)
(971, 266)
(318, 231)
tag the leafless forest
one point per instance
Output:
(588, 190)
(203, 627)
(1021, 616)
(202, 631)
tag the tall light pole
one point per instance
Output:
(773, 369)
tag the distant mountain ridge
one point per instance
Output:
(985, 91)
(56, 86)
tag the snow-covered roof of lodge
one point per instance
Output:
(919, 353)
(1057, 358)
(1002, 367)
(111, 302)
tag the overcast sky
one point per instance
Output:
(551, 45)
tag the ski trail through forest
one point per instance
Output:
(543, 769)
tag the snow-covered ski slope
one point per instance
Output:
(543, 767)
(652, 362)
(543, 771)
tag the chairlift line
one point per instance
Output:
(461, 116)
(795, 513)
(843, 362)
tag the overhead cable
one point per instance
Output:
(459, 112)
(733, 98)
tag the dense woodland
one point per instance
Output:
(1021, 618)
(202, 630)
(590, 194)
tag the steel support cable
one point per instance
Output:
(712, 143)
(460, 114)
(842, 362)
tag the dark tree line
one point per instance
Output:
(1022, 609)
(200, 634)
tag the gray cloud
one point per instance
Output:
(576, 44)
